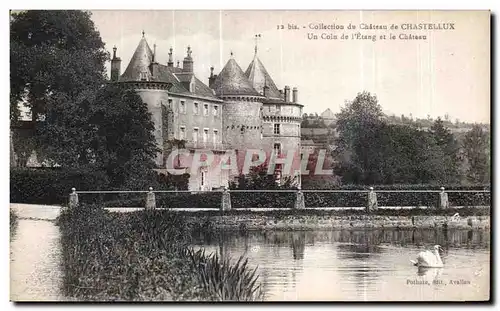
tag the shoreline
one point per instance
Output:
(322, 222)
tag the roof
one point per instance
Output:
(327, 114)
(259, 77)
(142, 58)
(232, 81)
(141, 61)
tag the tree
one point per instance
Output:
(53, 55)
(111, 130)
(476, 147)
(356, 124)
(124, 144)
(450, 147)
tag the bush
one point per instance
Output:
(431, 199)
(241, 200)
(189, 200)
(52, 186)
(262, 199)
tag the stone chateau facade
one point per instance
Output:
(237, 110)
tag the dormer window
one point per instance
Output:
(144, 76)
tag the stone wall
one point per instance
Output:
(315, 222)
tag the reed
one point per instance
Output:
(145, 256)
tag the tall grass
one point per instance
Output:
(224, 280)
(144, 256)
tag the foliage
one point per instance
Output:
(142, 256)
(286, 200)
(476, 149)
(258, 178)
(449, 146)
(369, 150)
(314, 121)
(229, 282)
(52, 186)
(53, 54)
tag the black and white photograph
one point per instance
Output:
(250, 155)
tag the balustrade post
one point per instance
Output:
(372, 201)
(226, 200)
(443, 199)
(73, 199)
(299, 200)
(150, 199)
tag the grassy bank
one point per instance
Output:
(144, 256)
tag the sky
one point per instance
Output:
(448, 73)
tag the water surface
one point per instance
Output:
(362, 265)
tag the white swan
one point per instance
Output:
(429, 259)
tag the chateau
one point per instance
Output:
(238, 110)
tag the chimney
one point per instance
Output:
(287, 93)
(115, 66)
(294, 95)
(153, 67)
(170, 59)
(212, 77)
(187, 64)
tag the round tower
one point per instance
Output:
(242, 123)
(141, 74)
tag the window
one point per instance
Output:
(216, 137)
(277, 148)
(170, 103)
(205, 109)
(182, 133)
(183, 107)
(205, 135)
(216, 110)
(195, 134)
(277, 129)
(195, 108)
(242, 129)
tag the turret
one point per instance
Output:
(115, 66)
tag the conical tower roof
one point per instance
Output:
(259, 77)
(232, 81)
(139, 64)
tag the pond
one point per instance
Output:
(362, 265)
